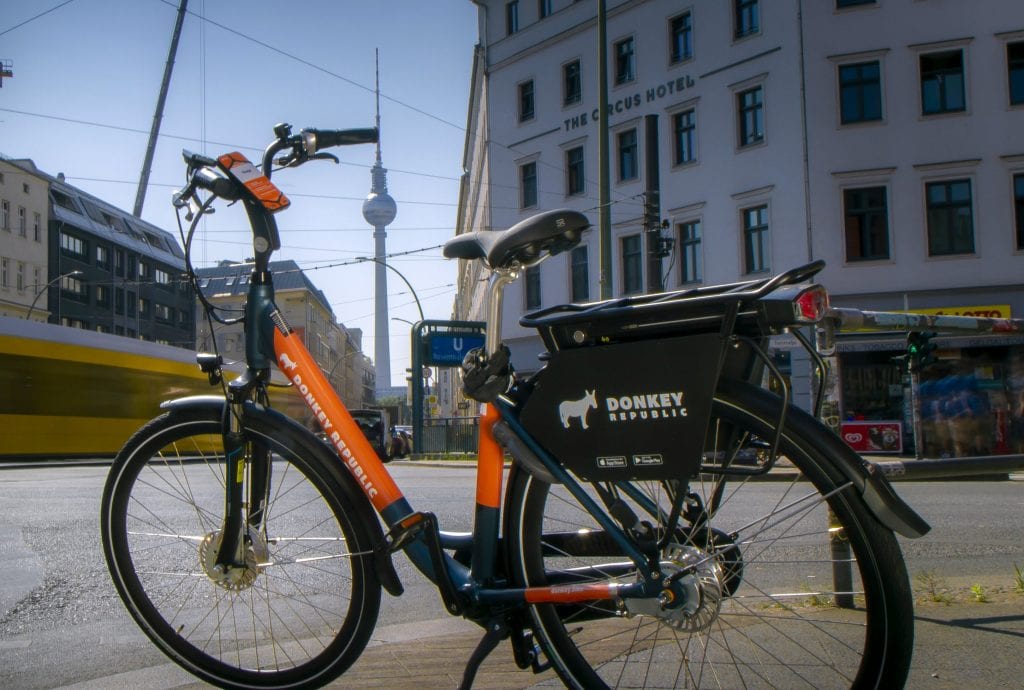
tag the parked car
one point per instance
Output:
(376, 426)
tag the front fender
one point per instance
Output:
(352, 494)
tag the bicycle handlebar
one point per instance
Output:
(319, 139)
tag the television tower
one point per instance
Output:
(379, 210)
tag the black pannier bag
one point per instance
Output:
(628, 410)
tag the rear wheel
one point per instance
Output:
(303, 607)
(790, 582)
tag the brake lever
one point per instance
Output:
(325, 157)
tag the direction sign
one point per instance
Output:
(450, 348)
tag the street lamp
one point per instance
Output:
(399, 274)
(46, 287)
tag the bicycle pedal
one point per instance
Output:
(399, 536)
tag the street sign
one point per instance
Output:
(451, 348)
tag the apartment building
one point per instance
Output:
(747, 137)
(24, 214)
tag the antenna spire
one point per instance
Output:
(376, 57)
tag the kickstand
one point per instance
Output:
(497, 631)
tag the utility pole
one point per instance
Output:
(604, 195)
(147, 163)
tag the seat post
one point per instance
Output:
(500, 277)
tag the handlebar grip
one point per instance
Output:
(326, 138)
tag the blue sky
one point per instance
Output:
(86, 80)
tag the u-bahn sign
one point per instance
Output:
(450, 348)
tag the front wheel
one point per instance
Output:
(303, 607)
(790, 581)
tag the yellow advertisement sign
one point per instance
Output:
(989, 311)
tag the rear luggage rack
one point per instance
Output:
(681, 312)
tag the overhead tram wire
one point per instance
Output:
(32, 19)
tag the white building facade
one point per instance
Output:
(883, 136)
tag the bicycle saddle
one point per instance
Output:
(525, 242)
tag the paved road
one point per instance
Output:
(61, 625)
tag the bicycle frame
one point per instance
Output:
(265, 326)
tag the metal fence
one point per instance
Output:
(449, 435)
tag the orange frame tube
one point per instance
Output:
(344, 435)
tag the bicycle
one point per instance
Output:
(631, 546)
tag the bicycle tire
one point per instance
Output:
(304, 609)
(768, 613)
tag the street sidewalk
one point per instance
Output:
(961, 645)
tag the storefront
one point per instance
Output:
(966, 400)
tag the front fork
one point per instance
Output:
(243, 458)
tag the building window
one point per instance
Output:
(5, 215)
(544, 8)
(37, 225)
(1018, 206)
(21, 276)
(628, 164)
(532, 282)
(145, 308)
(72, 245)
(942, 82)
(756, 255)
(575, 182)
(102, 256)
(119, 302)
(860, 92)
(684, 130)
(119, 262)
(102, 296)
(74, 287)
(526, 101)
(690, 254)
(528, 184)
(950, 218)
(161, 276)
(680, 30)
(5, 268)
(164, 313)
(511, 17)
(572, 83)
(747, 19)
(625, 61)
(1015, 69)
(866, 223)
(751, 116)
(840, 4)
(579, 271)
(22, 222)
(632, 265)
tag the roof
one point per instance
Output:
(233, 279)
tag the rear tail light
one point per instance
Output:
(811, 305)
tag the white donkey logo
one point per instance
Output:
(577, 408)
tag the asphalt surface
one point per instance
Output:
(959, 643)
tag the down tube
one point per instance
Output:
(342, 432)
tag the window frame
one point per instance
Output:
(691, 251)
(627, 153)
(746, 12)
(532, 288)
(1017, 178)
(864, 231)
(575, 171)
(569, 97)
(675, 118)
(511, 17)
(625, 63)
(761, 261)
(860, 86)
(943, 92)
(632, 262)
(527, 100)
(949, 208)
(579, 274)
(1010, 73)
(680, 38)
(745, 139)
(524, 178)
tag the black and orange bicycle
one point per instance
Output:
(666, 520)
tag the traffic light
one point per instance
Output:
(920, 350)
